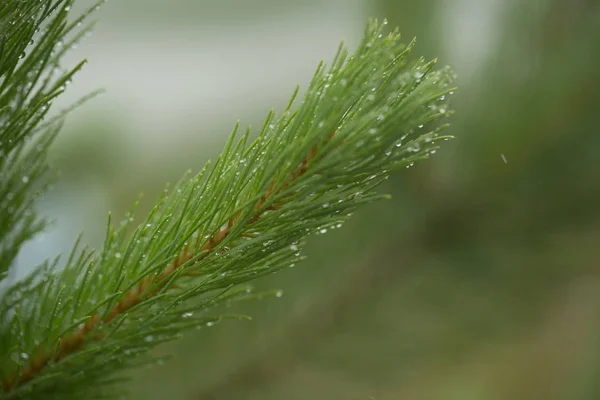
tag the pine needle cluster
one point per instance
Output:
(79, 323)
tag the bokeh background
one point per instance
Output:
(480, 279)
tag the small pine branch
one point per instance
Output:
(31, 37)
(247, 216)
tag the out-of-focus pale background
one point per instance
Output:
(479, 280)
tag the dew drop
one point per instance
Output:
(25, 179)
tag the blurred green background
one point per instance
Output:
(478, 280)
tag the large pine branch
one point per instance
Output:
(369, 113)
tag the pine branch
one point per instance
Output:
(31, 34)
(247, 216)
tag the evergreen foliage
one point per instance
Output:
(69, 331)
(30, 78)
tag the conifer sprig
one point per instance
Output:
(245, 217)
(34, 35)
